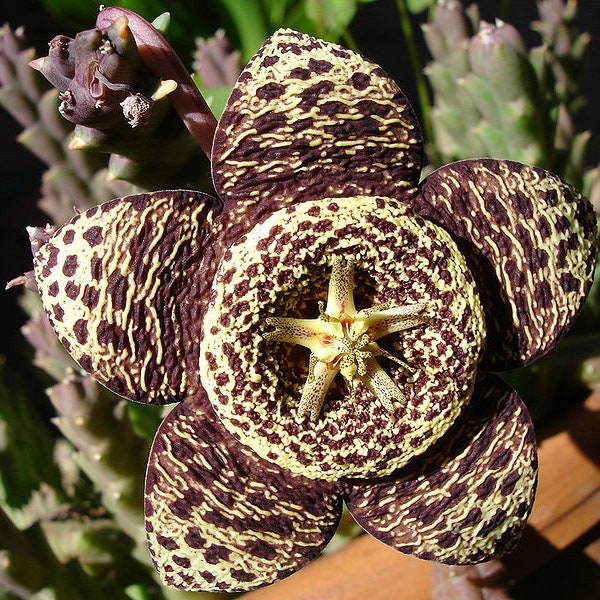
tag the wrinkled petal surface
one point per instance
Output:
(310, 119)
(221, 519)
(122, 284)
(282, 269)
(468, 499)
(530, 241)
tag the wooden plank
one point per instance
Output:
(566, 507)
(365, 568)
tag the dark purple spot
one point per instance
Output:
(507, 486)
(261, 549)
(117, 288)
(93, 236)
(447, 539)
(53, 289)
(110, 334)
(543, 294)
(72, 290)
(80, 329)
(70, 265)
(493, 523)
(69, 236)
(269, 61)
(486, 488)
(471, 519)
(319, 66)
(270, 91)
(360, 81)
(86, 363)
(300, 73)
(167, 542)
(216, 553)
(96, 268)
(58, 312)
(181, 508)
(499, 460)
(90, 296)
(242, 575)
(569, 283)
(181, 561)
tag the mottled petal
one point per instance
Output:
(123, 285)
(221, 519)
(310, 119)
(468, 498)
(282, 268)
(530, 241)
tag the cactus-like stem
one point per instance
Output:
(108, 451)
(29, 566)
(493, 96)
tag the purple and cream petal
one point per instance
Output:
(467, 499)
(530, 241)
(310, 119)
(219, 518)
(123, 284)
(282, 269)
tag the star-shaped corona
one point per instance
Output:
(343, 340)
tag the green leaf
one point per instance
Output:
(216, 98)
(332, 17)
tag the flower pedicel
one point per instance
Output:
(327, 324)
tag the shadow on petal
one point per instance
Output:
(466, 500)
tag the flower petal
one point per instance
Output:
(310, 119)
(123, 283)
(282, 268)
(468, 499)
(219, 518)
(530, 242)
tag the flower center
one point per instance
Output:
(343, 340)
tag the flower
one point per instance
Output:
(328, 325)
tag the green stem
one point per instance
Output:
(349, 41)
(504, 9)
(421, 83)
(250, 23)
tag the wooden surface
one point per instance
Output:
(559, 556)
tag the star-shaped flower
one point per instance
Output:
(324, 255)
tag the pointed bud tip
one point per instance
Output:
(27, 280)
(37, 64)
(121, 27)
(166, 87)
(38, 236)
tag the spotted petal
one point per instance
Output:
(123, 285)
(530, 241)
(468, 500)
(221, 519)
(310, 119)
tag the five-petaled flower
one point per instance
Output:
(328, 325)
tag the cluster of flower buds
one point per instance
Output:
(96, 74)
(123, 89)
